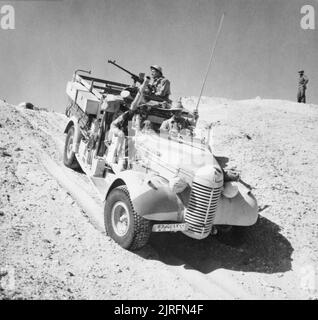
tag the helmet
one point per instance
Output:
(301, 71)
(156, 67)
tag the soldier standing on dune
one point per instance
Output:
(302, 86)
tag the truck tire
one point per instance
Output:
(69, 155)
(122, 222)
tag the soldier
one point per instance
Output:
(177, 122)
(302, 86)
(119, 130)
(159, 86)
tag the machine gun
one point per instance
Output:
(136, 78)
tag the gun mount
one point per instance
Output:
(139, 78)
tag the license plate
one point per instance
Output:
(170, 227)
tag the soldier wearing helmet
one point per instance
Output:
(159, 86)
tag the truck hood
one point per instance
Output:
(177, 155)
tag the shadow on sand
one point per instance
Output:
(259, 248)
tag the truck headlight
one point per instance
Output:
(230, 189)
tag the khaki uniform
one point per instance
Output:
(161, 87)
(174, 123)
(119, 130)
(302, 86)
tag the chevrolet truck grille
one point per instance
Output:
(201, 210)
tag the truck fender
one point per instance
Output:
(150, 202)
(77, 134)
(242, 210)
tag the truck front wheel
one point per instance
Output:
(122, 223)
(69, 155)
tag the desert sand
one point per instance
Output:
(52, 240)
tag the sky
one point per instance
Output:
(260, 49)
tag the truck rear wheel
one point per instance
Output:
(69, 155)
(122, 222)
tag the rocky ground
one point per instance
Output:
(51, 249)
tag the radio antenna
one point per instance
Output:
(211, 59)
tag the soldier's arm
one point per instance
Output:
(117, 123)
(306, 79)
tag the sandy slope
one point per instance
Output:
(46, 237)
(57, 251)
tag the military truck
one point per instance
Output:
(169, 183)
